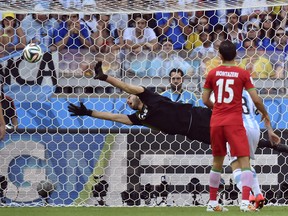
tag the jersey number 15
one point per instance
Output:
(222, 89)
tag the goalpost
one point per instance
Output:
(129, 6)
(53, 158)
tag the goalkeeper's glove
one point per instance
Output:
(99, 72)
(79, 110)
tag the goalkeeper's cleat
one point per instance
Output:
(259, 201)
(248, 207)
(217, 208)
(252, 198)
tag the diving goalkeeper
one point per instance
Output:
(157, 112)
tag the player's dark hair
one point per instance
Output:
(177, 70)
(228, 50)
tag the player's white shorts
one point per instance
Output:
(253, 135)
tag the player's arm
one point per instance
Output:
(130, 89)
(274, 138)
(206, 98)
(83, 111)
(260, 106)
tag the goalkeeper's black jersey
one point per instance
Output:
(160, 113)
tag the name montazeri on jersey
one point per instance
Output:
(227, 74)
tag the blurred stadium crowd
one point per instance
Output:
(149, 45)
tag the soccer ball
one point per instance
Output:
(32, 53)
(45, 188)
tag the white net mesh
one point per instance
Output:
(63, 160)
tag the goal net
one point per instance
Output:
(51, 158)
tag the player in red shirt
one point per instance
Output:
(227, 82)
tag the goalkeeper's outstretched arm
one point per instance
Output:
(130, 89)
(112, 117)
(83, 111)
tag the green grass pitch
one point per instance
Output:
(133, 211)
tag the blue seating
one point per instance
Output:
(64, 120)
(35, 115)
